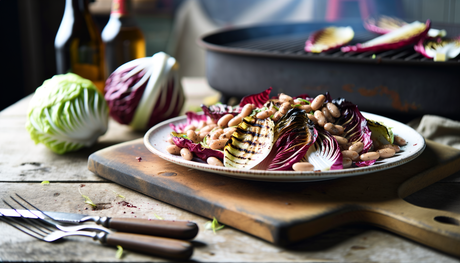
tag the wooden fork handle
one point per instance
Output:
(157, 246)
(162, 228)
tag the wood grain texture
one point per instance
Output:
(286, 213)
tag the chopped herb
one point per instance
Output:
(87, 200)
(119, 194)
(159, 217)
(214, 225)
(304, 100)
(119, 252)
(373, 56)
(274, 106)
(45, 182)
(296, 105)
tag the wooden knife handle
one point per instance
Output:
(162, 228)
(157, 246)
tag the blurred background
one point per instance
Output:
(28, 28)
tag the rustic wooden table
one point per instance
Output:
(24, 165)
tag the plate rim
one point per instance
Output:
(282, 176)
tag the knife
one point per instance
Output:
(155, 227)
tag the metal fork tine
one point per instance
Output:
(35, 223)
(32, 206)
(25, 229)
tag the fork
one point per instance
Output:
(158, 246)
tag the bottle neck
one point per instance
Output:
(121, 7)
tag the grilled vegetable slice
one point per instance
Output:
(380, 133)
(325, 153)
(406, 35)
(385, 24)
(329, 38)
(438, 49)
(250, 143)
(294, 134)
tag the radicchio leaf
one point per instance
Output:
(216, 111)
(385, 24)
(438, 49)
(294, 134)
(329, 38)
(258, 99)
(406, 35)
(197, 149)
(193, 118)
(355, 127)
(325, 153)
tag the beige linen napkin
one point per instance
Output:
(438, 129)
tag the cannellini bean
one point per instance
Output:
(328, 115)
(332, 129)
(227, 133)
(320, 117)
(186, 154)
(350, 154)
(317, 103)
(312, 118)
(214, 161)
(247, 109)
(265, 114)
(303, 166)
(210, 121)
(206, 128)
(340, 129)
(170, 140)
(191, 134)
(202, 134)
(341, 140)
(216, 134)
(346, 162)
(395, 147)
(356, 146)
(286, 98)
(223, 121)
(386, 152)
(218, 144)
(306, 108)
(285, 107)
(369, 156)
(335, 112)
(189, 127)
(235, 121)
(399, 140)
(201, 124)
(173, 149)
(277, 116)
(299, 102)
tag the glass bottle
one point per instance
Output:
(123, 39)
(78, 44)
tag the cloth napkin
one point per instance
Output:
(438, 129)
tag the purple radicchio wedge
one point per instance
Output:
(145, 91)
(193, 118)
(355, 127)
(438, 49)
(406, 35)
(385, 24)
(325, 153)
(329, 38)
(294, 134)
(197, 149)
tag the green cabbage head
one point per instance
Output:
(67, 113)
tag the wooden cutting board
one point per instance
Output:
(285, 213)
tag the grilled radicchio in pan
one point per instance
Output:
(405, 35)
(329, 38)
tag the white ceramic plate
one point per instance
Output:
(156, 141)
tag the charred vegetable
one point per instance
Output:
(438, 49)
(250, 143)
(329, 38)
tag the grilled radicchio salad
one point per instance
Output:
(284, 133)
